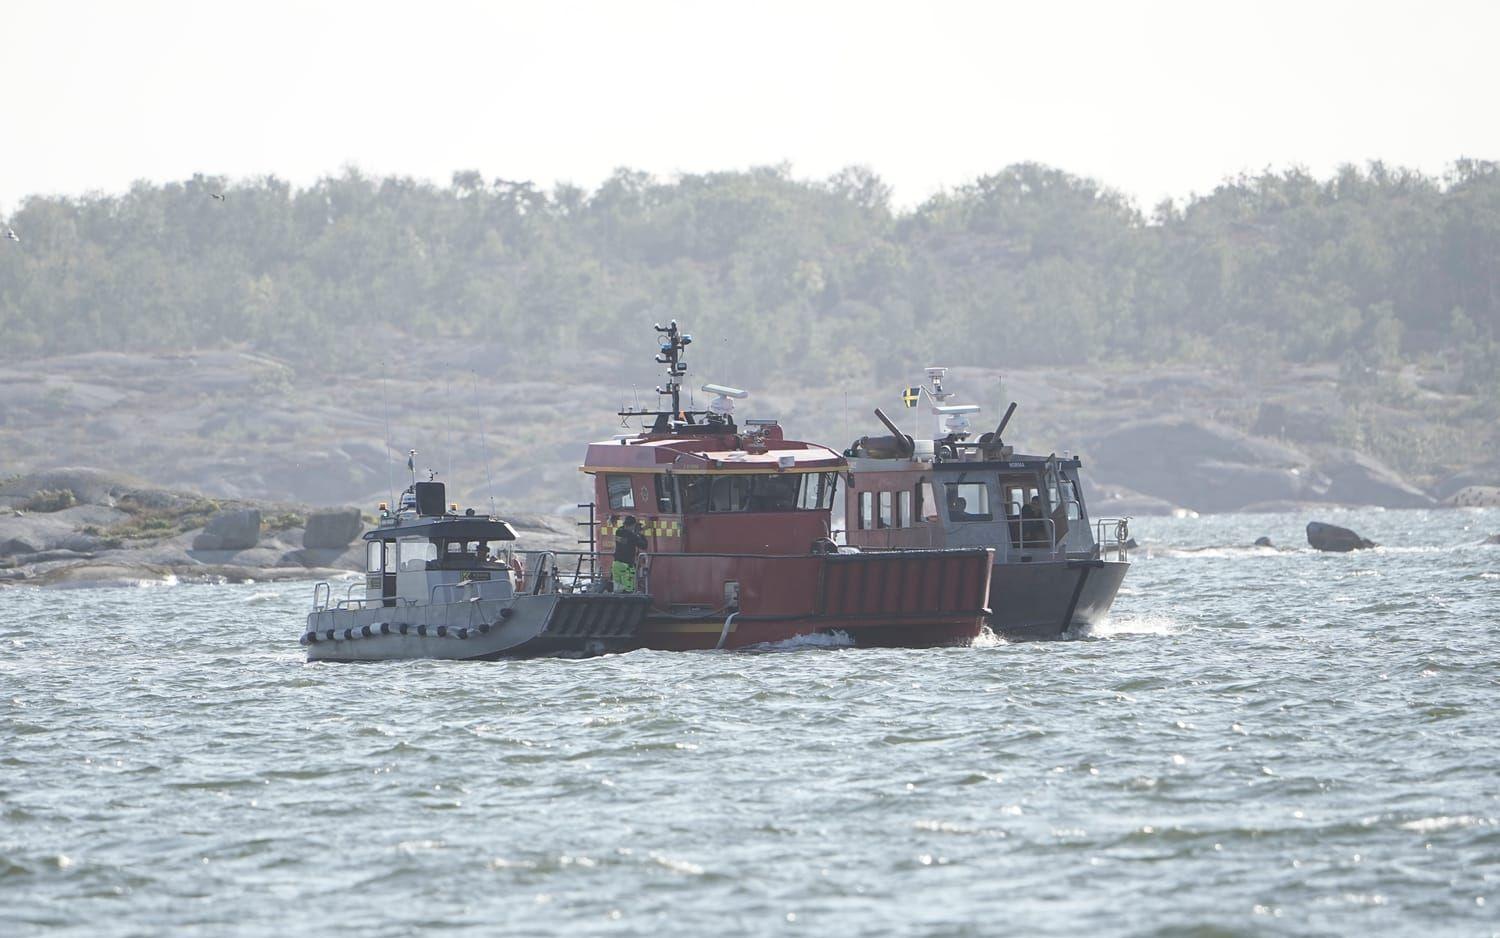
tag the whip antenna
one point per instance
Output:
(484, 450)
(390, 463)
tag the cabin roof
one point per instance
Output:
(707, 454)
(1018, 461)
(450, 527)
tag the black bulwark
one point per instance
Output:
(451, 528)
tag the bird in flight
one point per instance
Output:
(218, 195)
(11, 234)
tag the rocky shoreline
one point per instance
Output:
(76, 527)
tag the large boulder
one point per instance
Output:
(332, 528)
(1331, 537)
(230, 530)
(1357, 479)
(1475, 496)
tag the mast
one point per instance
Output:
(672, 344)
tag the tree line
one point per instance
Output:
(817, 278)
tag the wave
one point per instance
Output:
(1129, 625)
(834, 639)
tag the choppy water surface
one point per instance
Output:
(1259, 742)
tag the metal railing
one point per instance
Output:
(1111, 538)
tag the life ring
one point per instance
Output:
(517, 572)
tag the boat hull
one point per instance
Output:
(574, 625)
(1049, 599)
(911, 599)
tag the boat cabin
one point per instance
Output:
(1025, 507)
(721, 490)
(953, 490)
(426, 552)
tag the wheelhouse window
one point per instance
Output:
(415, 552)
(967, 501)
(817, 490)
(927, 506)
(757, 492)
(866, 510)
(903, 509)
(375, 557)
(620, 490)
(887, 510)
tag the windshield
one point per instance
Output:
(757, 492)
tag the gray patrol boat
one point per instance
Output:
(1056, 569)
(439, 584)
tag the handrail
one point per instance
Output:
(1019, 539)
(321, 588)
(1116, 544)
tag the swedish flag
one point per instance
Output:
(910, 396)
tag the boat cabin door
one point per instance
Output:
(381, 565)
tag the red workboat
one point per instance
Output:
(737, 523)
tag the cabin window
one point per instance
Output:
(817, 490)
(887, 510)
(375, 557)
(666, 495)
(927, 505)
(903, 509)
(757, 492)
(621, 494)
(415, 552)
(866, 510)
(968, 501)
(1070, 498)
(1019, 491)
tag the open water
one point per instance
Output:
(1260, 742)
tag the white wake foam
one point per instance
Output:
(1130, 625)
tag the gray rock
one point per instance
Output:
(332, 529)
(1475, 496)
(1492, 539)
(1263, 542)
(1487, 476)
(1357, 479)
(1331, 537)
(58, 530)
(230, 530)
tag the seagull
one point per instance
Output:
(217, 195)
(11, 234)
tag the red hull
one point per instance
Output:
(907, 599)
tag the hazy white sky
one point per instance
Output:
(1156, 99)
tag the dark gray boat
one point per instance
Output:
(1057, 570)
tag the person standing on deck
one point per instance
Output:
(628, 542)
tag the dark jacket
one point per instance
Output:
(628, 542)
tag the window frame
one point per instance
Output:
(617, 500)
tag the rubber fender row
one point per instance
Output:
(386, 628)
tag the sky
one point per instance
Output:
(1156, 99)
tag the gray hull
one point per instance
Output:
(524, 626)
(1047, 599)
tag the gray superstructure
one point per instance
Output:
(439, 584)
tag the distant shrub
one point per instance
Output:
(48, 500)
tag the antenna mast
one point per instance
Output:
(672, 344)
